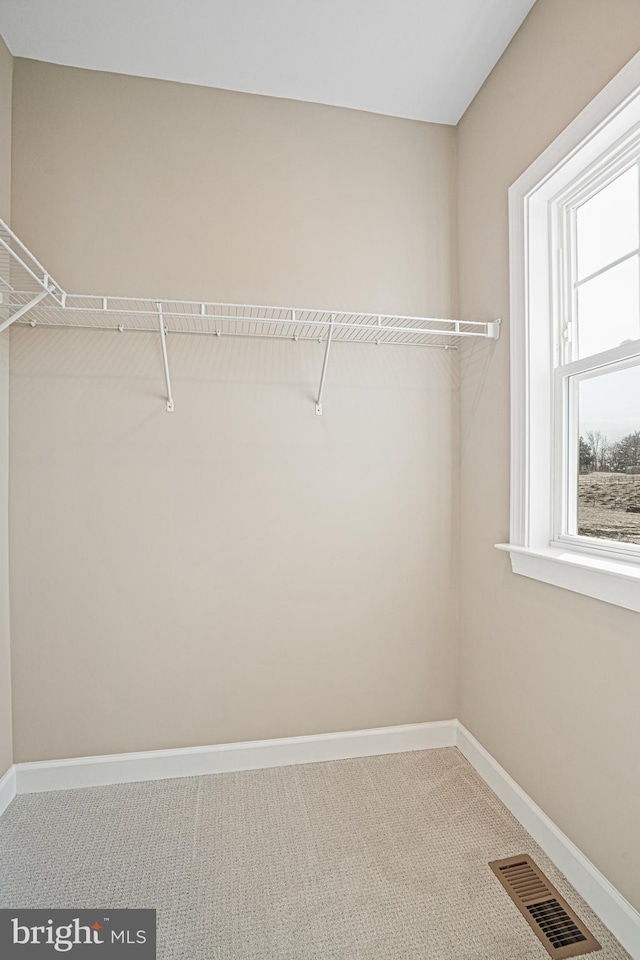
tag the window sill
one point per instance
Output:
(613, 581)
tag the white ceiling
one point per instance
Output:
(423, 59)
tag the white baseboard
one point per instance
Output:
(7, 789)
(228, 757)
(603, 898)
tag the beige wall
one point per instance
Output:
(6, 72)
(549, 679)
(6, 76)
(149, 187)
(242, 568)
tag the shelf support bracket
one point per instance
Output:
(324, 367)
(22, 310)
(165, 358)
(493, 329)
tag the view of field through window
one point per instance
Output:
(609, 456)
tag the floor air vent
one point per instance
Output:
(548, 914)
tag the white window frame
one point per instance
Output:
(586, 566)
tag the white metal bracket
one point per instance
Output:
(165, 358)
(493, 329)
(20, 312)
(324, 367)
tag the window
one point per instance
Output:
(597, 371)
(575, 353)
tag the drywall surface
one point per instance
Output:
(240, 569)
(6, 753)
(6, 76)
(548, 679)
(145, 187)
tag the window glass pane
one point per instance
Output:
(607, 225)
(608, 309)
(609, 456)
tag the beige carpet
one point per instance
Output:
(383, 858)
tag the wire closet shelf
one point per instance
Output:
(29, 295)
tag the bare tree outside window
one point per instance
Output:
(609, 487)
